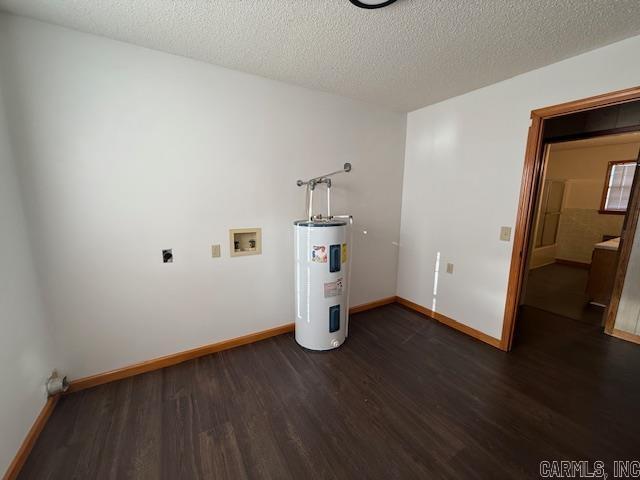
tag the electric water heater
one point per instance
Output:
(322, 260)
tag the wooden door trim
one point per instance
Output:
(589, 103)
(629, 337)
(531, 177)
(528, 193)
(624, 253)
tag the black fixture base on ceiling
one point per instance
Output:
(370, 6)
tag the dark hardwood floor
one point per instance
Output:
(405, 397)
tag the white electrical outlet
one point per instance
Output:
(505, 234)
(449, 267)
(215, 250)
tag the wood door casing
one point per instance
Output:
(529, 189)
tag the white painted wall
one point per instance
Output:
(26, 357)
(125, 151)
(463, 168)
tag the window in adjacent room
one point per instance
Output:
(617, 189)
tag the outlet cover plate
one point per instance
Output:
(505, 234)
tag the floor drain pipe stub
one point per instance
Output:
(56, 385)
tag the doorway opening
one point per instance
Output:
(580, 213)
(549, 215)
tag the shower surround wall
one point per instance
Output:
(580, 229)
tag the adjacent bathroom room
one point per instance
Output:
(581, 214)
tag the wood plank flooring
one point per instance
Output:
(405, 397)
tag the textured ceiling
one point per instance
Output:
(410, 54)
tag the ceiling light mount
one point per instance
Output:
(371, 4)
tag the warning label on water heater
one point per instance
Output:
(319, 254)
(333, 289)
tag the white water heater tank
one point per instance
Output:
(321, 279)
